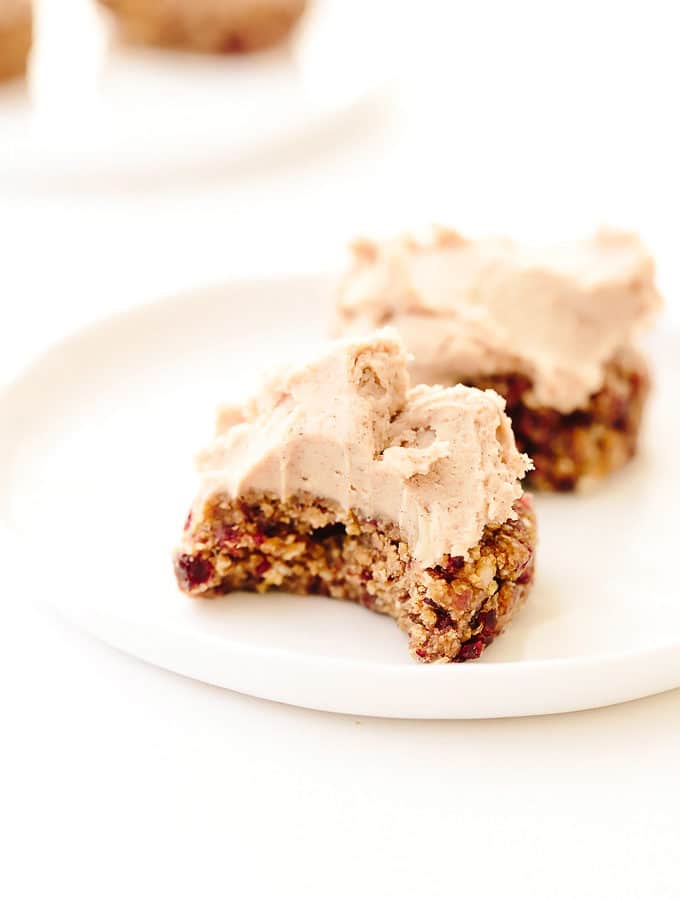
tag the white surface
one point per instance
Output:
(98, 438)
(106, 110)
(119, 779)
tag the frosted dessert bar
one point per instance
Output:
(552, 329)
(339, 479)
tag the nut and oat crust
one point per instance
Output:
(303, 545)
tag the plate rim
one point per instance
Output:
(32, 156)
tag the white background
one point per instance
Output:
(119, 780)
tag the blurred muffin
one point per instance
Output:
(15, 37)
(212, 26)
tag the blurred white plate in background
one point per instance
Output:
(96, 448)
(95, 108)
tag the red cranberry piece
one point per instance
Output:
(262, 567)
(471, 650)
(193, 571)
(526, 575)
(367, 600)
(187, 524)
(227, 534)
(538, 425)
(450, 569)
(421, 653)
(489, 628)
(516, 386)
(444, 619)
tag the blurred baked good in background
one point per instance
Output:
(211, 26)
(15, 37)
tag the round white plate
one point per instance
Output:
(104, 110)
(97, 441)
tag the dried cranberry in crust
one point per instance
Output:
(193, 571)
(367, 600)
(471, 650)
(262, 567)
(450, 569)
(187, 524)
(444, 619)
(489, 627)
(227, 534)
(515, 388)
(526, 575)
(421, 654)
(455, 563)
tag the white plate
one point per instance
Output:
(95, 460)
(103, 110)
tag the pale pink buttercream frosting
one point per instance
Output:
(440, 462)
(468, 308)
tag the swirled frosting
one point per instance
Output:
(346, 427)
(464, 308)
